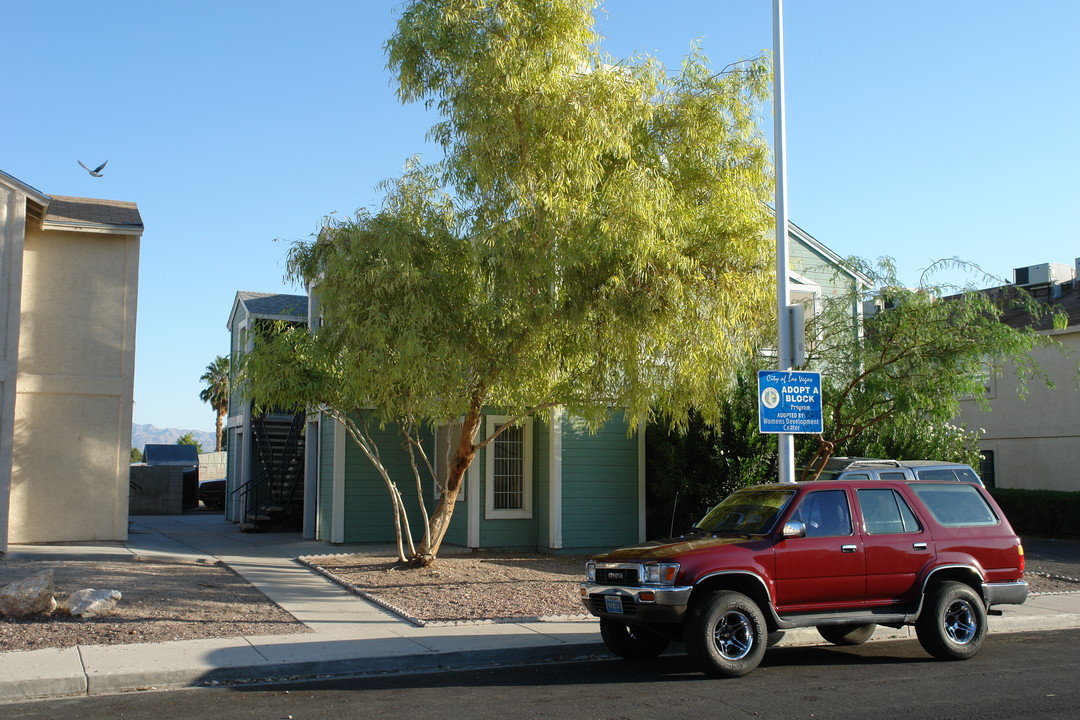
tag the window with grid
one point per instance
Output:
(509, 471)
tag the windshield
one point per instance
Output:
(747, 512)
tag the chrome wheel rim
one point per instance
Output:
(960, 622)
(734, 635)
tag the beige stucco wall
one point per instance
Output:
(71, 448)
(12, 225)
(1035, 441)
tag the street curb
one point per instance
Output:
(103, 683)
(108, 683)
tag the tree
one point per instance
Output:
(216, 392)
(136, 455)
(604, 245)
(914, 359)
(891, 390)
(189, 439)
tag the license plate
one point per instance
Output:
(613, 604)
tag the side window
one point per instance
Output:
(825, 514)
(885, 512)
(956, 504)
(966, 475)
(938, 474)
(892, 475)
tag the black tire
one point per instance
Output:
(632, 642)
(725, 634)
(846, 634)
(952, 624)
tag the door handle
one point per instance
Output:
(919, 546)
(848, 548)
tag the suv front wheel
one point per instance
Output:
(632, 642)
(725, 634)
(952, 624)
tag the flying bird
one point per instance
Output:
(96, 172)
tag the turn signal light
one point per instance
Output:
(1020, 550)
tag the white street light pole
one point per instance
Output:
(785, 441)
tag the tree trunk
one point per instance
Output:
(444, 510)
(220, 418)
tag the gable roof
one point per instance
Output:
(37, 201)
(815, 245)
(60, 212)
(93, 215)
(270, 306)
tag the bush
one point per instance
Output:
(1044, 513)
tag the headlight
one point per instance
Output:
(590, 571)
(660, 573)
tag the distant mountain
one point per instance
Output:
(143, 435)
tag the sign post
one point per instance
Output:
(789, 402)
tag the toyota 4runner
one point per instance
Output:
(842, 556)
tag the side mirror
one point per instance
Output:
(794, 529)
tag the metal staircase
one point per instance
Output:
(273, 498)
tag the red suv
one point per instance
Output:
(843, 556)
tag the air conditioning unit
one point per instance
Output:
(1044, 274)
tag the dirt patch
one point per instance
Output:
(161, 601)
(479, 586)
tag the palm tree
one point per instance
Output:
(216, 391)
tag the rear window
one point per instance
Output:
(956, 504)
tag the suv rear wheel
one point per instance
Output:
(952, 624)
(632, 642)
(725, 634)
(847, 634)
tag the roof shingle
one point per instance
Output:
(91, 211)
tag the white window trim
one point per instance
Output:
(526, 512)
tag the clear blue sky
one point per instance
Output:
(919, 129)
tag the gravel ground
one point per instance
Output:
(479, 586)
(187, 601)
(160, 602)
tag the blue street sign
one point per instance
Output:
(789, 402)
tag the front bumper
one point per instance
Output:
(631, 605)
(1013, 593)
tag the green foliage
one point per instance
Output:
(913, 438)
(218, 378)
(593, 237)
(136, 455)
(912, 363)
(890, 391)
(189, 439)
(691, 470)
(1041, 513)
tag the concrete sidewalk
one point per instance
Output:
(350, 636)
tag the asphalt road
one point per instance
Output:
(1024, 675)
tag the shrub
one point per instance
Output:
(1045, 513)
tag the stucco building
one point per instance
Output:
(69, 270)
(1033, 442)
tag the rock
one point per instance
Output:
(91, 603)
(28, 596)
